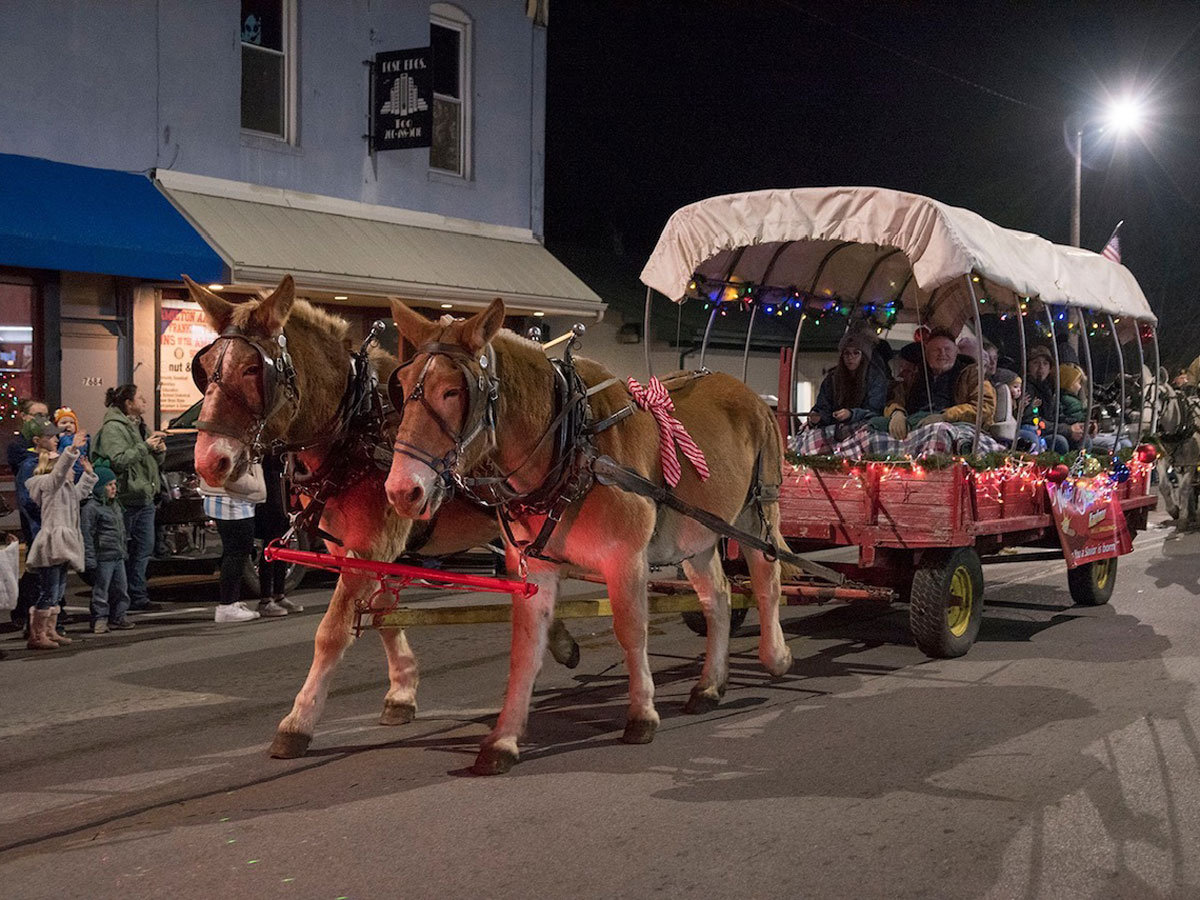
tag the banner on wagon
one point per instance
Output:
(1091, 524)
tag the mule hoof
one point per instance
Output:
(573, 659)
(289, 745)
(567, 655)
(702, 700)
(397, 713)
(781, 667)
(493, 761)
(639, 731)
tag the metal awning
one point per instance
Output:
(341, 246)
(80, 219)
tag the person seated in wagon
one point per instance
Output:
(946, 391)
(856, 388)
(1043, 410)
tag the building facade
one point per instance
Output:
(240, 141)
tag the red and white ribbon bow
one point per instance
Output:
(655, 400)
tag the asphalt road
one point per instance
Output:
(1058, 759)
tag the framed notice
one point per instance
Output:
(402, 100)
(182, 332)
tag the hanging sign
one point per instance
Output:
(402, 99)
(183, 331)
(1091, 524)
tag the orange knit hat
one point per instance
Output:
(65, 412)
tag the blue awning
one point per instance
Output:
(78, 219)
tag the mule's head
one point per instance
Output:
(235, 398)
(440, 393)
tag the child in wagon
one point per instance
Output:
(59, 543)
(105, 553)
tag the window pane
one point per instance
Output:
(16, 354)
(262, 91)
(446, 151)
(445, 44)
(262, 23)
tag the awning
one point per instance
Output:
(77, 219)
(340, 246)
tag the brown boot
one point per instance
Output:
(52, 630)
(39, 620)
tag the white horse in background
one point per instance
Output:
(1179, 434)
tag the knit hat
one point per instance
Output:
(1070, 377)
(1041, 351)
(859, 339)
(912, 353)
(1004, 376)
(104, 475)
(1067, 354)
(63, 413)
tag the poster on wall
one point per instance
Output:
(182, 332)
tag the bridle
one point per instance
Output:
(483, 391)
(277, 386)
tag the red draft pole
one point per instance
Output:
(433, 577)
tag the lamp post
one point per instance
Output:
(1119, 117)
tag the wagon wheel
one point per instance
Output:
(1092, 583)
(946, 605)
(694, 619)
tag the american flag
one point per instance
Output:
(1112, 250)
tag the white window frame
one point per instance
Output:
(290, 70)
(449, 16)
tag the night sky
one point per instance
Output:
(655, 105)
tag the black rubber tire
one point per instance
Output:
(694, 619)
(1092, 583)
(946, 605)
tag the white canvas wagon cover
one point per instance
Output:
(873, 245)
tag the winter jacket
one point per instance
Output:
(59, 540)
(65, 440)
(31, 516)
(875, 393)
(960, 386)
(121, 442)
(103, 526)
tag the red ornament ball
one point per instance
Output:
(1146, 453)
(1058, 474)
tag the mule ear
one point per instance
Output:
(482, 327)
(413, 326)
(217, 310)
(272, 311)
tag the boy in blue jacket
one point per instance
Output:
(103, 525)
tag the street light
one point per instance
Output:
(1119, 117)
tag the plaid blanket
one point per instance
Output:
(863, 441)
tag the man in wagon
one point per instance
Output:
(947, 390)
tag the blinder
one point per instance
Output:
(276, 381)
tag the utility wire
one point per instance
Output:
(909, 59)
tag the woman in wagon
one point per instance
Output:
(856, 388)
(946, 391)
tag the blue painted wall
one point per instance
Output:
(138, 84)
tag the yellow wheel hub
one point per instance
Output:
(1101, 572)
(962, 601)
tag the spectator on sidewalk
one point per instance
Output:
(271, 522)
(19, 445)
(235, 525)
(65, 418)
(59, 542)
(39, 435)
(105, 551)
(124, 444)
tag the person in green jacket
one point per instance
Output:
(124, 444)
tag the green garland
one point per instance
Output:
(981, 463)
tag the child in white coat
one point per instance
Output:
(59, 543)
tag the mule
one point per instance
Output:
(240, 407)
(1179, 434)
(443, 389)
